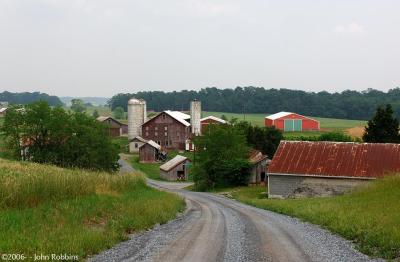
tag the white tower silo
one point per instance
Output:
(137, 115)
(195, 116)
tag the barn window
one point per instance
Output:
(147, 133)
(147, 128)
(165, 134)
(163, 116)
(136, 145)
(156, 133)
(166, 142)
(165, 128)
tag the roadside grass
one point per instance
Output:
(45, 209)
(151, 170)
(369, 215)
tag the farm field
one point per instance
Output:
(50, 210)
(327, 124)
(366, 216)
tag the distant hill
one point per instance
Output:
(27, 98)
(344, 105)
(96, 101)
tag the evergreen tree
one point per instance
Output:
(95, 114)
(383, 127)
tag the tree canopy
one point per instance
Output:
(383, 127)
(27, 98)
(222, 158)
(347, 104)
(55, 136)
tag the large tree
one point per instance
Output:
(383, 127)
(77, 105)
(265, 139)
(54, 136)
(221, 158)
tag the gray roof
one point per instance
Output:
(139, 138)
(173, 163)
(153, 144)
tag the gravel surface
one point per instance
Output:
(215, 228)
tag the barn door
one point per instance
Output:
(288, 125)
(293, 125)
(297, 125)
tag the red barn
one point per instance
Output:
(292, 122)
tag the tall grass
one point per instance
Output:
(29, 184)
(370, 215)
(50, 210)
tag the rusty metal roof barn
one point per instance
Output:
(336, 159)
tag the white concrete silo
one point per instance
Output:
(137, 115)
(195, 116)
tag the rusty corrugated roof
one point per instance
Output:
(336, 159)
(256, 156)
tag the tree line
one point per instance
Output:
(27, 98)
(347, 104)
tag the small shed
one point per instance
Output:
(149, 151)
(303, 169)
(135, 143)
(3, 111)
(175, 169)
(259, 163)
(292, 122)
(114, 127)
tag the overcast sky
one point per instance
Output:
(103, 47)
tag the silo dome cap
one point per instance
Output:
(133, 101)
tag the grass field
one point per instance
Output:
(369, 216)
(327, 124)
(44, 209)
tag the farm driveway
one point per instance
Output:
(215, 228)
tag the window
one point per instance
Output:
(136, 145)
(147, 133)
(156, 128)
(147, 128)
(163, 116)
(165, 128)
(156, 133)
(159, 142)
(166, 142)
(165, 133)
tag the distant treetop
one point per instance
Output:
(27, 98)
(347, 104)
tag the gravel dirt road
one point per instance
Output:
(215, 228)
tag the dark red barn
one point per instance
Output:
(292, 122)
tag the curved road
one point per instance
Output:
(215, 228)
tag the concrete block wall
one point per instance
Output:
(290, 186)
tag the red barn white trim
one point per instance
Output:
(288, 121)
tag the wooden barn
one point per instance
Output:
(259, 163)
(115, 128)
(149, 151)
(292, 122)
(170, 129)
(136, 143)
(303, 169)
(175, 169)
